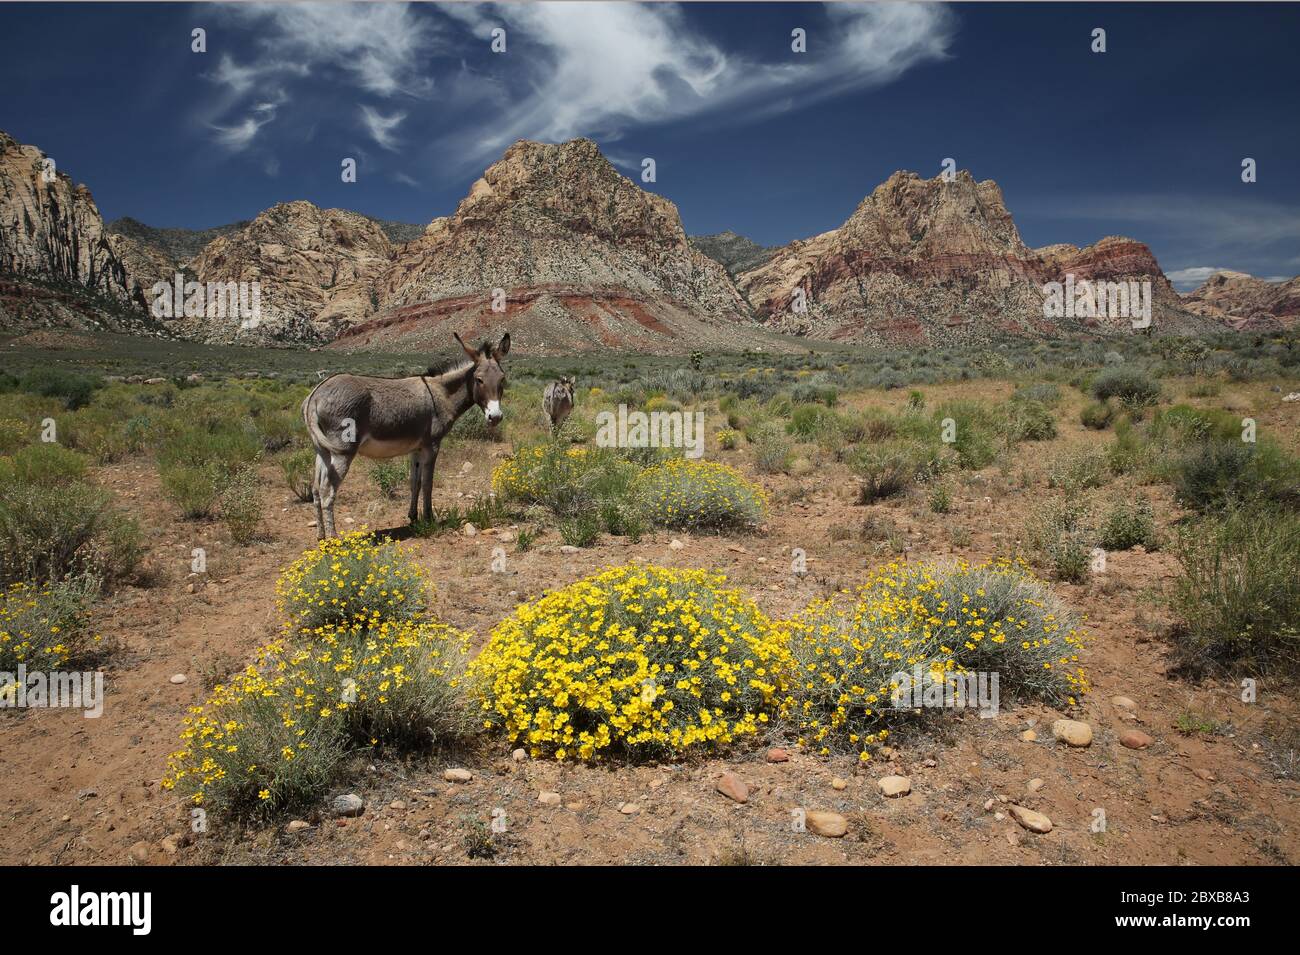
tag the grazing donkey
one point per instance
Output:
(347, 415)
(557, 402)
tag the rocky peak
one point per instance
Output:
(1245, 302)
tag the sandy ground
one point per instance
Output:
(86, 791)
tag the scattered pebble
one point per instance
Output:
(1033, 821)
(1035, 784)
(1135, 739)
(1072, 732)
(469, 530)
(519, 755)
(458, 775)
(297, 825)
(829, 824)
(1028, 736)
(549, 798)
(675, 544)
(895, 786)
(349, 804)
(731, 786)
(1123, 702)
(839, 784)
(568, 549)
(178, 678)
(629, 809)
(777, 755)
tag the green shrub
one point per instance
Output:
(1129, 523)
(771, 449)
(579, 530)
(565, 480)
(299, 467)
(1077, 469)
(1098, 415)
(973, 428)
(890, 468)
(195, 490)
(73, 389)
(14, 434)
(1238, 594)
(390, 476)
(940, 499)
(1130, 385)
(1060, 533)
(241, 505)
(1028, 420)
(46, 465)
(1220, 473)
(55, 532)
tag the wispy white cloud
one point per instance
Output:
(381, 127)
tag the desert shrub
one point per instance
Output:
(390, 476)
(579, 530)
(565, 480)
(1097, 415)
(973, 428)
(814, 392)
(196, 490)
(855, 652)
(54, 532)
(810, 421)
(890, 468)
(14, 434)
(1060, 532)
(241, 505)
(73, 389)
(221, 443)
(1237, 597)
(473, 426)
(940, 499)
(1127, 524)
(690, 494)
(351, 579)
(771, 449)
(634, 661)
(1127, 452)
(278, 430)
(728, 439)
(1077, 469)
(1044, 392)
(42, 464)
(298, 468)
(46, 627)
(1027, 420)
(1128, 384)
(1218, 473)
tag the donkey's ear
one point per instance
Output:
(473, 353)
(503, 348)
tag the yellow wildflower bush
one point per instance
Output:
(47, 626)
(694, 494)
(960, 620)
(632, 661)
(353, 669)
(348, 580)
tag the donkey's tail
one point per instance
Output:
(319, 438)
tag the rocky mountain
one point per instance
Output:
(735, 253)
(177, 246)
(314, 271)
(1247, 303)
(581, 256)
(930, 260)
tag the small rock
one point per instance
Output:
(829, 824)
(349, 804)
(1013, 837)
(930, 763)
(458, 775)
(629, 809)
(675, 544)
(297, 825)
(549, 798)
(777, 755)
(839, 784)
(469, 530)
(1035, 784)
(1033, 821)
(170, 845)
(989, 804)
(568, 549)
(1028, 736)
(1123, 702)
(140, 852)
(732, 787)
(1072, 732)
(178, 678)
(1135, 739)
(519, 755)
(1204, 774)
(397, 805)
(573, 806)
(467, 467)
(895, 786)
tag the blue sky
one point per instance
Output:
(1144, 140)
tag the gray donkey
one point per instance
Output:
(557, 402)
(347, 415)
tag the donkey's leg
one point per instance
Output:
(338, 470)
(319, 481)
(428, 457)
(412, 514)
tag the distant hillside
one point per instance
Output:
(733, 252)
(177, 245)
